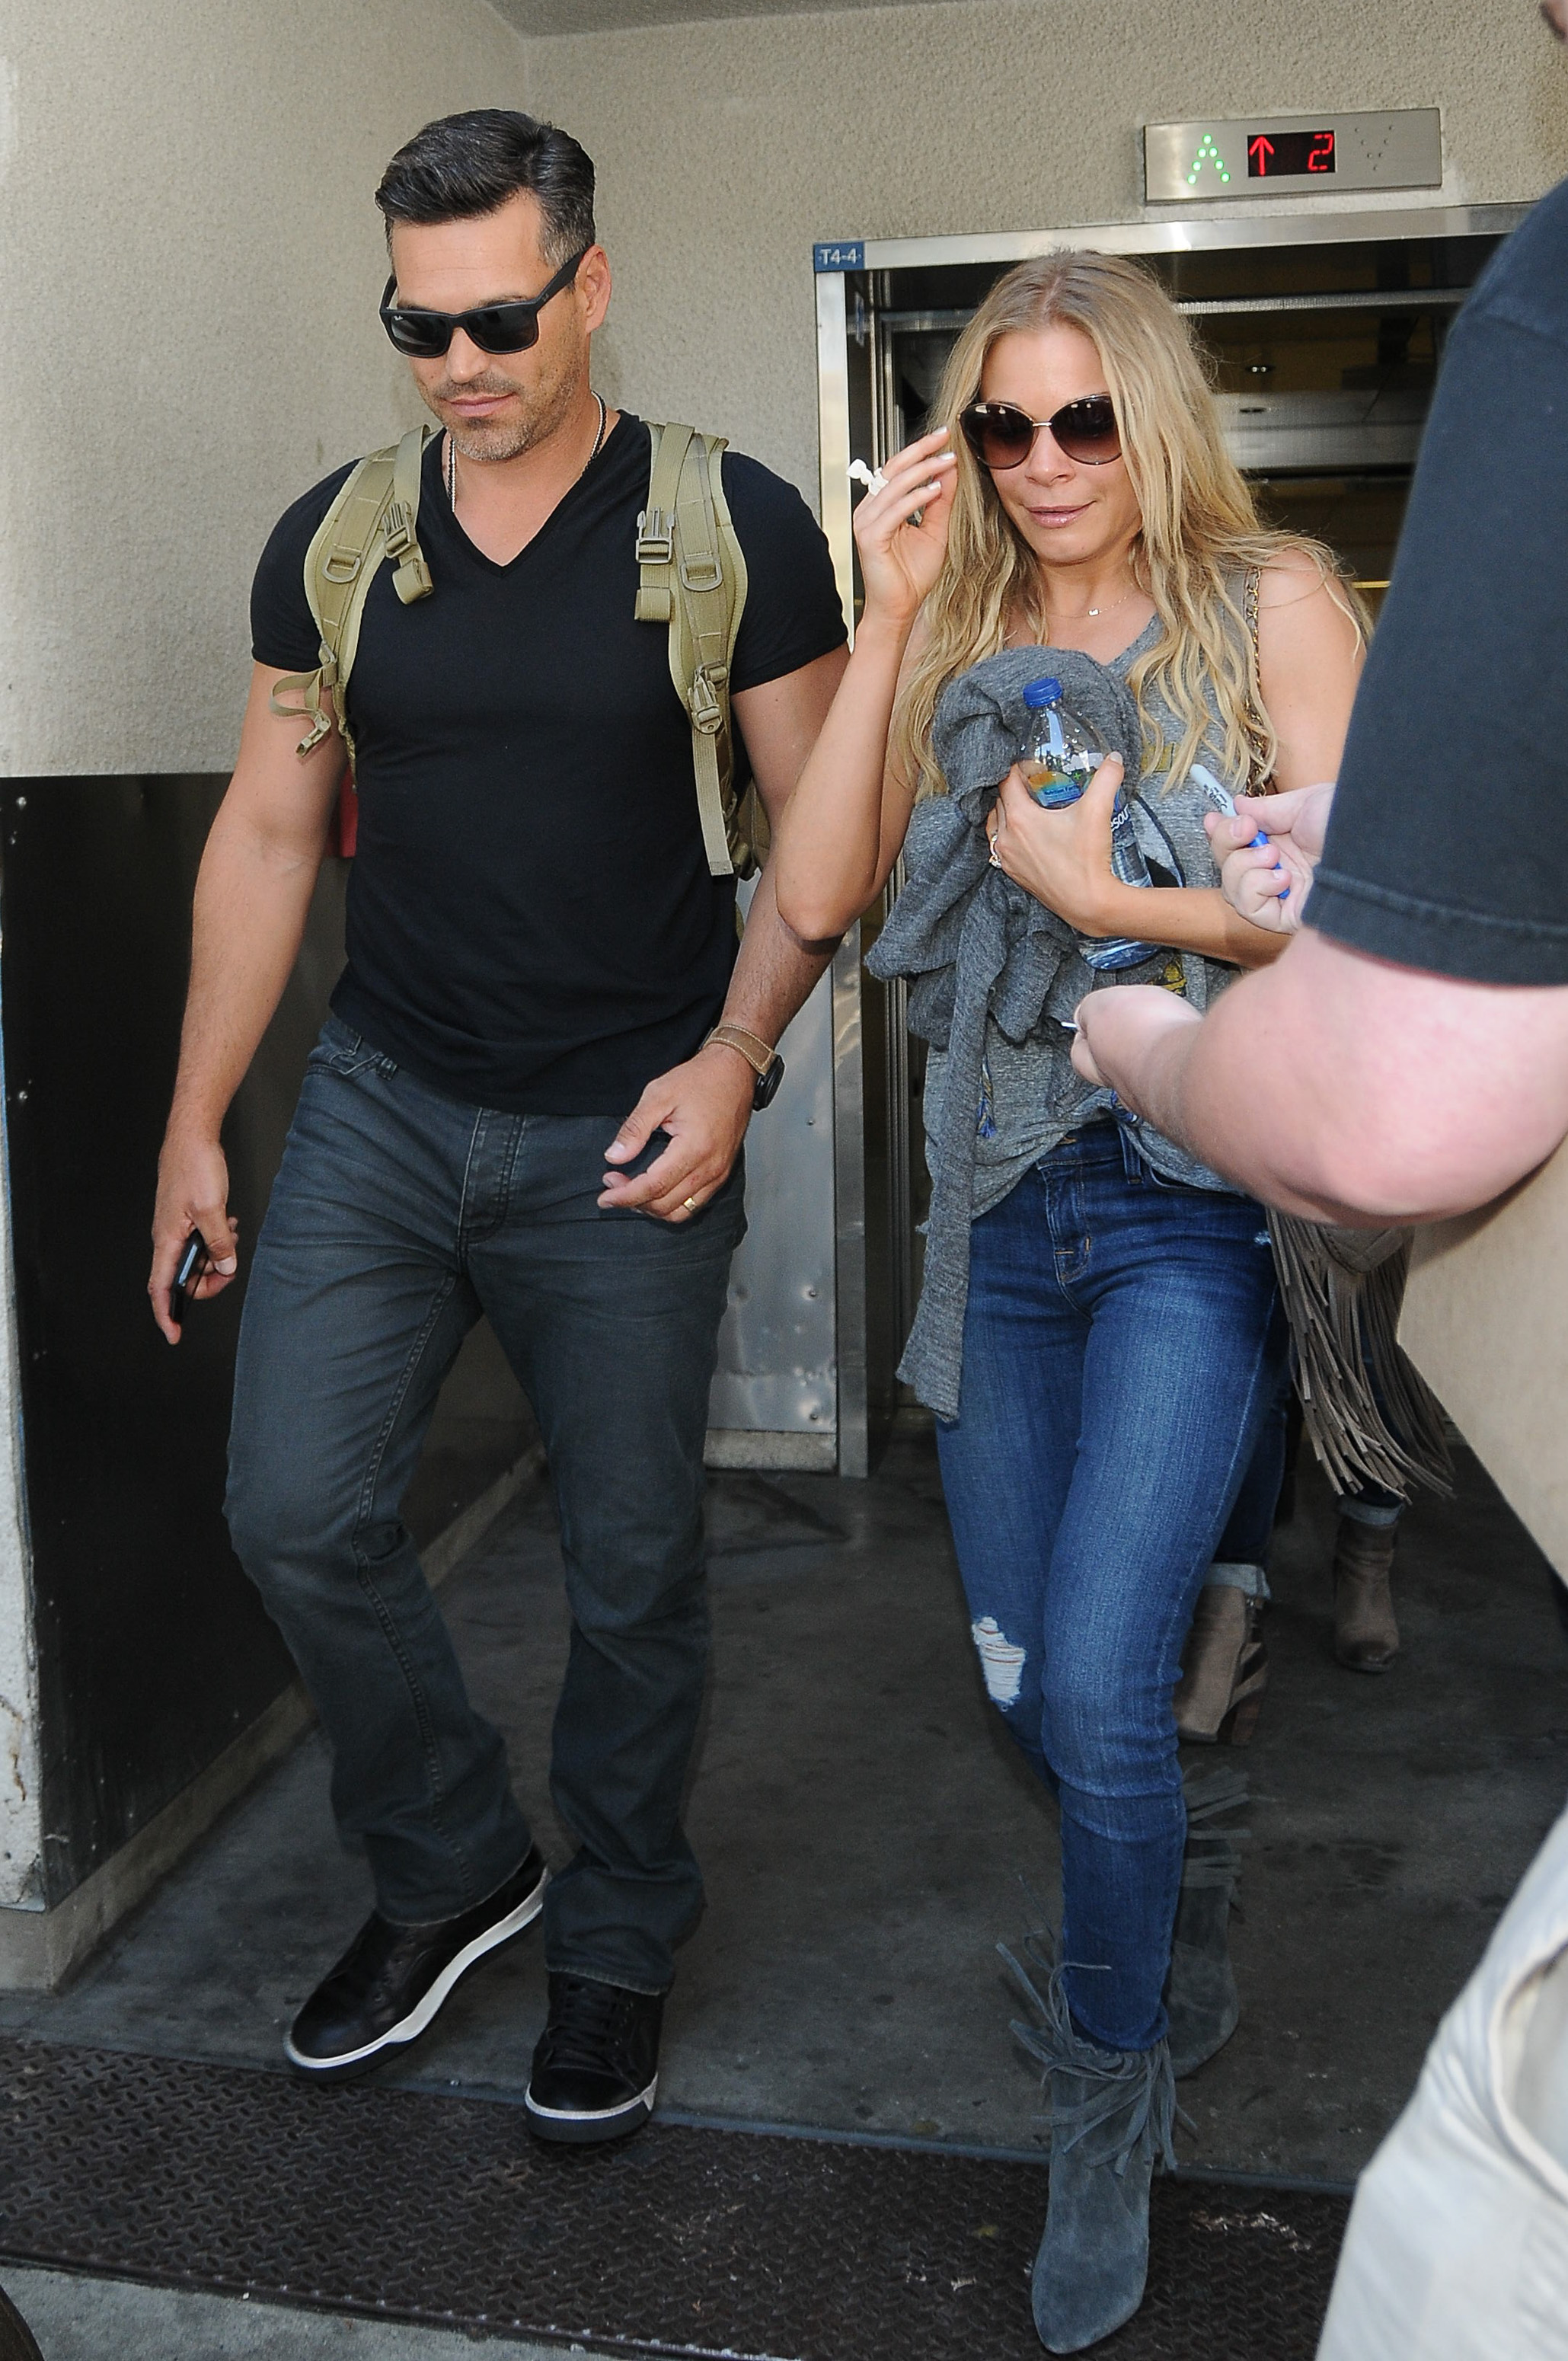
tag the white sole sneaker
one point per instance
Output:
(420, 2016)
(586, 2125)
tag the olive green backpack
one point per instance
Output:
(692, 578)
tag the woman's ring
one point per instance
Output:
(991, 855)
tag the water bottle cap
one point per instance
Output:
(1041, 692)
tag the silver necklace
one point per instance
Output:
(582, 471)
(1090, 611)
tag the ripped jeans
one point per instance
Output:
(1123, 1346)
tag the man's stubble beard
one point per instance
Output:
(544, 411)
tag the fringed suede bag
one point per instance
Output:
(1371, 1416)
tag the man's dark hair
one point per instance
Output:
(468, 164)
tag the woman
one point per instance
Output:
(1098, 1331)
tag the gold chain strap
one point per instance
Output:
(1260, 777)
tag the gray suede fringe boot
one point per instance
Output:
(1201, 1995)
(1112, 2112)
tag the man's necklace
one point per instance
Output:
(582, 471)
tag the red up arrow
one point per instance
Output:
(1261, 148)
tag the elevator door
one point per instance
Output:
(1323, 338)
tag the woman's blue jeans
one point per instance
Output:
(1123, 1345)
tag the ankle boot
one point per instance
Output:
(1224, 1668)
(1366, 1636)
(1201, 1995)
(1110, 2114)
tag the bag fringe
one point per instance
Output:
(1343, 1290)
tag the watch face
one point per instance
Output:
(767, 1086)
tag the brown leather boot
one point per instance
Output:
(1224, 1668)
(1366, 1636)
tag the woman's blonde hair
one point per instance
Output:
(1201, 532)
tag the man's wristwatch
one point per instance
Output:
(763, 1060)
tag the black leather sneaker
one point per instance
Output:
(595, 2070)
(388, 1984)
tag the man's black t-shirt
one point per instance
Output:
(531, 923)
(1445, 848)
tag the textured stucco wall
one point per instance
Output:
(993, 115)
(191, 261)
(188, 265)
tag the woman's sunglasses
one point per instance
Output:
(1001, 435)
(494, 327)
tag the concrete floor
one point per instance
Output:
(868, 1835)
(109, 2320)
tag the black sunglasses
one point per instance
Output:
(1001, 435)
(494, 327)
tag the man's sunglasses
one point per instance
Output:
(494, 327)
(1001, 435)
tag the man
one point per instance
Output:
(535, 944)
(1407, 1058)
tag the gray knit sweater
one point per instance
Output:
(993, 974)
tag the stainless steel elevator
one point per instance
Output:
(1326, 329)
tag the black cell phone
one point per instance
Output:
(193, 1262)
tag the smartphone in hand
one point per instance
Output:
(194, 1262)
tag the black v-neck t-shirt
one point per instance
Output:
(532, 925)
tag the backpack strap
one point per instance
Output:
(693, 577)
(373, 517)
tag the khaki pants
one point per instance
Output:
(1457, 2248)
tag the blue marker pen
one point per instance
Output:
(1223, 801)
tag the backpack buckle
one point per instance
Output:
(700, 573)
(655, 537)
(707, 712)
(400, 535)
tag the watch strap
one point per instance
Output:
(759, 1054)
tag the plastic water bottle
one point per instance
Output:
(1058, 758)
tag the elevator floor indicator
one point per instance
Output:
(402, 2205)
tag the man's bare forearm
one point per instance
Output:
(774, 973)
(1345, 1088)
(252, 900)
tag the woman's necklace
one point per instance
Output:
(1091, 612)
(582, 471)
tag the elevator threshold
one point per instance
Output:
(397, 2204)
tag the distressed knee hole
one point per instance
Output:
(1000, 1661)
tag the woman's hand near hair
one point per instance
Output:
(844, 826)
(901, 531)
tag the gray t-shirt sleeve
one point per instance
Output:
(1445, 846)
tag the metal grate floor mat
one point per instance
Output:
(404, 2205)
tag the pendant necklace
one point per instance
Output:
(1092, 611)
(582, 471)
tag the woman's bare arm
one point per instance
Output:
(846, 821)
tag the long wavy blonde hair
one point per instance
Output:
(1200, 537)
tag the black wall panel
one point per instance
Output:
(154, 1651)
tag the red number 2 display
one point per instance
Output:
(1273, 154)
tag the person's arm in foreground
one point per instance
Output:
(1344, 1088)
(253, 894)
(706, 1103)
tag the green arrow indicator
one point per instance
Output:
(1207, 154)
